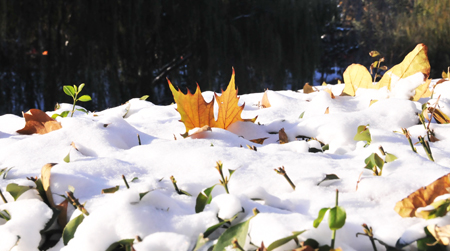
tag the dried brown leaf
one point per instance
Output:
(45, 178)
(308, 89)
(441, 234)
(265, 101)
(259, 141)
(422, 197)
(37, 121)
(282, 136)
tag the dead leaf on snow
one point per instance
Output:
(37, 121)
(282, 136)
(307, 88)
(422, 197)
(265, 101)
(328, 90)
(198, 134)
(441, 234)
(45, 178)
(259, 141)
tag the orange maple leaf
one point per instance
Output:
(196, 112)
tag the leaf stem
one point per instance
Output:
(125, 180)
(333, 234)
(282, 171)
(3, 197)
(76, 203)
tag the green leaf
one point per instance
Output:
(301, 115)
(84, 98)
(67, 158)
(390, 157)
(71, 227)
(54, 116)
(329, 177)
(75, 88)
(123, 243)
(141, 195)
(203, 198)
(41, 191)
(325, 148)
(201, 241)
(238, 231)
(134, 179)
(5, 171)
(336, 218)
(311, 242)
(81, 110)
(16, 190)
(213, 228)
(281, 242)
(144, 97)
(4, 214)
(319, 219)
(69, 90)
(374, 160)
(111, 189)
(363, 134)
(80, 87)
(231, 172)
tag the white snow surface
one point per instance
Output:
(108, 147)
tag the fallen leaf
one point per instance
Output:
(439, 116)
(196, 112)
(229, 110)
(422, 197)
(327, 111)
(441, 234)
(357, 76)
(37, 121)
(265, 101)
(328, 90)
(45, 178)
(307, 88)
(282, 136)
(373, 101)
(62, 217)
(423, 91)
(259, 141)
(198, 134)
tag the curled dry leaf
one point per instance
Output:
(265, 101)
(45, 178)
(328, 90)
(439, 116)
(308, 88)
(259, 141)
(37, 121)
(422, 197)
(283, 136)
(441, 234)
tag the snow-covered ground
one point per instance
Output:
(108, 147)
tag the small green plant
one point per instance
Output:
(178, 190)
(73, 92)
(336, 218)
(368, 231)
(363, 134)
(426, 147)
(375, 163)
(224, 181)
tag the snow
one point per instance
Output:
(108, 147)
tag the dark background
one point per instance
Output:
(126, 49)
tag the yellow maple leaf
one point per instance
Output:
(196, 112)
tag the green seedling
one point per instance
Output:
(238, 232)
(17, 190)
(225, 180)
(282, 171)
(329, 177)
(76, 203)
(222, 223)
(408, 137)
(71, 228)
(363, 134)
(426, 147)
(281, 242)
(374, 163)
(336, 218)
(178, 190)
(369, 233)
(201, 241)
(73, 92)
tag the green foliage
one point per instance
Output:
(178, 190)
(224, 222)
(125, 244)
(281, 242)
(17, 190)
(4, 172)
(4, 214)
(71, 227)
(238, 232)
(73, 92)
(363, 134)
(203, 199)
(374, 163)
